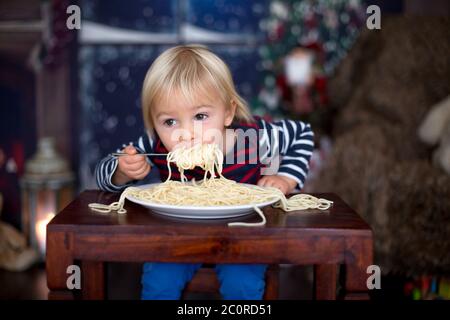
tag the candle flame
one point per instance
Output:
(41, 230)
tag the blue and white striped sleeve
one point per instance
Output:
(106, 167)
(293, 141)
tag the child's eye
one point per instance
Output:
(170, 122)
(201, 116)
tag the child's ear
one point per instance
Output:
(230, 112)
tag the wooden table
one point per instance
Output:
(337, 237)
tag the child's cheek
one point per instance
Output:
(168, 139)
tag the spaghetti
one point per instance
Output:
(211, 191)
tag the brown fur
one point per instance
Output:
(381, 92)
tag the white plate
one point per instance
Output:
(198, 212)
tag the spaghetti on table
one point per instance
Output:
(211, 191)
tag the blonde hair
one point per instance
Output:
(191, 69)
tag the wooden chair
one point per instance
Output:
(205, 281)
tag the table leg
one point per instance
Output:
(272, 282)
(359, 257)
(325, 276)
(58, 259)
(93, 280)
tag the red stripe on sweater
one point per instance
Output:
(249, 174)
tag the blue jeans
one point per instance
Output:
(166, 281)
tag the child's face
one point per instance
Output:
(181, 123)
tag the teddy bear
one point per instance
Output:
(435, 130)
(15, 255)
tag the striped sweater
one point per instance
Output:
(262, 148)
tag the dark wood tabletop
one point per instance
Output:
(323, 238)
(79, 215)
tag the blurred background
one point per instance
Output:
(377, 99)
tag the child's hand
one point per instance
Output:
(131, 167)
(285, 184)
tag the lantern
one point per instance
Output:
(47, 187)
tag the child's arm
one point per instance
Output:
(294, 142)
(107, 173)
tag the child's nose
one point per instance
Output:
(190, 135)
(186, 134)
(184, 138)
